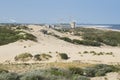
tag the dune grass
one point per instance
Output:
(8, 35)
(94, 37)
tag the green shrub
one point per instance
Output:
(30, 37)
(98, 70)
(56, 36)
(39, 57)
(103, 36)
(66, 39)
(23, 57)
(110, 53)
(80, 78)
(3, 71)
(45, 56)
(86, 42)
(22, 27)
(63, 56)
(57, 72)
(34, 75)
(90, 72)
(44, 31)
(100, 53)
(92, 52)
(9, 76)
(94, 37)
(7, 35)
(76, 70)
(85, 52)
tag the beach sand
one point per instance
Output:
(48, 43)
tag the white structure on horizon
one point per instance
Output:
(72, 24)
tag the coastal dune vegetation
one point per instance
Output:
(9, 35)
(35, 63)
(92, 36)
(53, 73)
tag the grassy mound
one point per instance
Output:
(93, 37)
(7, 35)
(41, 57)
(63, 56)
(23, 57)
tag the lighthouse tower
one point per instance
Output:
(72, 24)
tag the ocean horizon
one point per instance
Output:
(110, 26)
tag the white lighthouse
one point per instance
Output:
(72, 24)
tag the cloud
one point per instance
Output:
(12, 20)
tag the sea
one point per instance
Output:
(109, 26)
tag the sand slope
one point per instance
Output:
(48, 43)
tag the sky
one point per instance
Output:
(60, 11)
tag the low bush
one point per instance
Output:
(92, 52)
(3, 71)
(76, 70)
(89, 72)
(33, 75)
(98, 70)
(23, 57)
(66, 39)
(57, 72)
(85, 52)
(9, 76)
(39, 57)
(22, 27)
(63, 56)
(44, 31)
(45, 56)
(80, 78)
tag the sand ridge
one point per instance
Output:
(48, 43)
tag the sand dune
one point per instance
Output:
(48, 43)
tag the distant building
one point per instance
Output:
(72, 24)
(47, 25)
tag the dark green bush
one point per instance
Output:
(66, 39)
(3, 71)
(90, 72)
(39, 57)
(85, 52)
(8, 35)
(98, 70)
(86, 42)
(44, 31)
(57, 72)
(63, 56)
(76, 70)
(107, 37)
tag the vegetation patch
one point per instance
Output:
(41, 57)
(55, 73)
(79, 42)
(97, 53)
(8, 35)
(63, 56)
(94, 37)
(23, 57)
